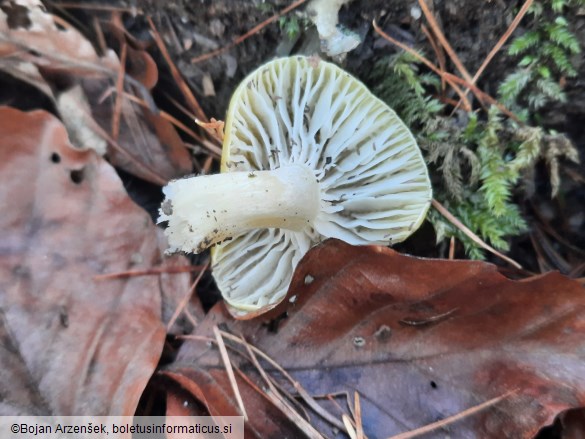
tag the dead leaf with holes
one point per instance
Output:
(419, 340)
(69, 344)
(44, 50)
(29, 33)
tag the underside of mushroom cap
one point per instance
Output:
(373, 182)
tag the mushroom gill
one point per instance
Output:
(309, 153)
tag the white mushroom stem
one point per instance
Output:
(202, 211)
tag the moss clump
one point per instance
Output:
(478, 160)
(544, 55)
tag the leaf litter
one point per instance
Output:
(44, 50)
(370, 343)
(76, 345)
(350, 330)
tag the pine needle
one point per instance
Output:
(451, 419)
(230, 371)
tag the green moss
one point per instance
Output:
(478, 161)
(544, 52)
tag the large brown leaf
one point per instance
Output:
(418, 339)
(69, 344)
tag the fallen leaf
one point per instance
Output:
(28, 30)
(212, 389)
(69, 344)
(45, 50)
(419, 340)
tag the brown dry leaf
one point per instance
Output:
(69, 344)
(419, 340)
(151, 147)
(29, 32)
(42, 49)
(211, 387)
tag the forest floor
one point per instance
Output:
(459, 347)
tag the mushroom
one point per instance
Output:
(308, 154)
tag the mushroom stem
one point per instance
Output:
(205, 210)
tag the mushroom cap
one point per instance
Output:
(373, 180)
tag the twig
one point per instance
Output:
(99, 33)
(248, 34)
(150, 272)
(207, 165)
(441, 37)
(191, 116)
(439, 53)
(251, 383)
(552, 256)
(186, 298)
(484, 96)
(553, 233)
(425, 61)
(117, 112)
(348, 426)
(155, 176)
(188, 95)
(301, 391)
(95, 7)
(191, 317)
(443, 422)
(500, 42)
(451, 79)
(228, 367)
(213, 149)
(278, 400)
(453, 220)
(68, 20)
(359, 429)
(116, 23)
(308, 399)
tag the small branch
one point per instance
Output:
(188, 95)
(453, 220)
(154, 175)
(441, 37)
(309, 400)
(213, 149)
(501, 42)
(117, 112)
(358, 417)
(228, 367)
(93, 7)
(439, 53)
(451, 79)
(248, 34)
(186, 298)
(150, 272)
(451, 419)
(426, 62)
(278, 400)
